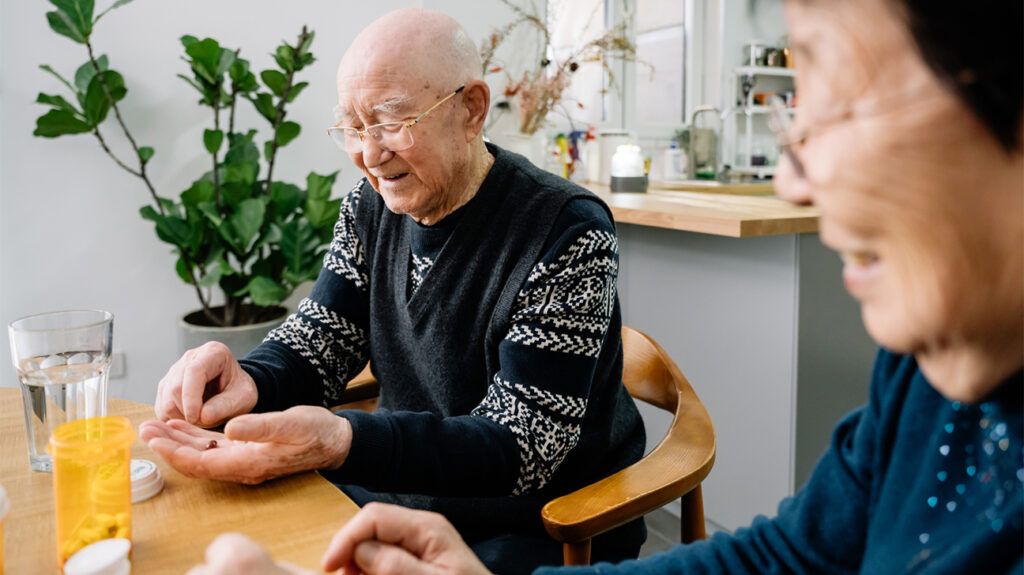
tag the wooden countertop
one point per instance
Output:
(728, 214)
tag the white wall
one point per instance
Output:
(70, 233)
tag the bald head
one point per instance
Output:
(412, 46)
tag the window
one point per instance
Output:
(658, 78)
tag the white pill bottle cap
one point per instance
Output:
(106, 557)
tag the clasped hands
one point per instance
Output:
(207, 387)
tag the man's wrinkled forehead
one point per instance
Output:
(374, 87)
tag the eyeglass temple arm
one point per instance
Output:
(432, 108)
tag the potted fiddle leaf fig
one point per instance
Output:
(236, 228)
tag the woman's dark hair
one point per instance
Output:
(976, 48)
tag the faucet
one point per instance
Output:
(695, 137)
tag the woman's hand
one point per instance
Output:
(236, 554)
(390, 540)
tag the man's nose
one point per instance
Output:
(373, 154)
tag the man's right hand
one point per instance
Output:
(205, 387)
(389, 540)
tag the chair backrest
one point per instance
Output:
(648, 373)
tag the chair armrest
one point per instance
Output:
(362, 387)
(675, 467)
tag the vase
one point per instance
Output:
(239, 339)
(533, 147)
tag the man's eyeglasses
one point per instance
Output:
(393, 136)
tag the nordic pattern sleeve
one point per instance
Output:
(309, 359)
(549, 356)
(821, 529)
(530, 418)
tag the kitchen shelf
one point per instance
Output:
(764, 110)
(766, 71)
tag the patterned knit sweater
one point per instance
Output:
(525, 424)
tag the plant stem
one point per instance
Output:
(279, 117)
(234, 99)
(117, 114)
(216, 167)
(141, 173)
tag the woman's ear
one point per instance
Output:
(476, 96)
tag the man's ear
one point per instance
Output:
(476, 96)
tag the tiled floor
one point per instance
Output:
(663, 532)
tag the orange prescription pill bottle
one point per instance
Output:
(92, 488)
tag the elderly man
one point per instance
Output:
(482, 291)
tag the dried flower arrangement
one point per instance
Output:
(539, 91)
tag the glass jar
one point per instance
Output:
(92, 488)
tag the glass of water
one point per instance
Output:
(62, 359)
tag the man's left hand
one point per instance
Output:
(254, 447)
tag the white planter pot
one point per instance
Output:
(532, 146)
(240, 340)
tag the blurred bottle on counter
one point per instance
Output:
(675, 163)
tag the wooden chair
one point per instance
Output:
(675, 468)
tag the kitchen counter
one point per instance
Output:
(727, 211)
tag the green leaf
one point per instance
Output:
(57, 102)
(285, 57)
(244, 174)
(212, 140)
(214, 274)
(206, 58)
(264, 103)
(227, 58)
(246, 222)
(266, 292)
(241, 149)
(268, 149)
(200, 192)
(183, 271)
(233, 193)
(319, 187)
(287, 132)
(73, 19)
(51, 71)
(97, 103)
(194, 84)
(284, 198)
(296, 239)
(170, 229)
(59, 123)
(242, 80)
(296, 90)
(86, 72)
(117, 4)
(188, 39)
(307, 42)
(276, 81)
(209, 209)
(145, 153)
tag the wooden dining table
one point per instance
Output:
(293, 518)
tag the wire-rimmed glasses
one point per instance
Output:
(392, 136)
